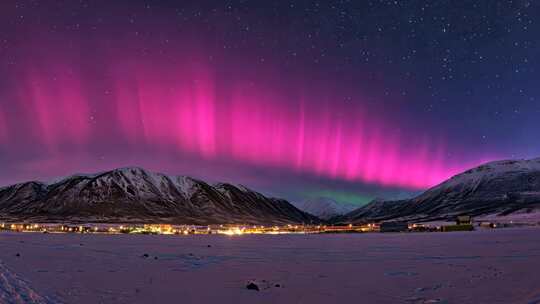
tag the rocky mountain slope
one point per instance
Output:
(500, 187)
(136, 195)
(324, 208)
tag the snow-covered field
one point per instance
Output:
(489, 266)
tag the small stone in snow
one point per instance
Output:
(252, 286)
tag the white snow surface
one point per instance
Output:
(484, 266)
(15, 290)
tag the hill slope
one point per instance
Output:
(136, 195)
(501, 187)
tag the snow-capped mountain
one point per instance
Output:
(500, 187)
(134, 194)
(324, 208)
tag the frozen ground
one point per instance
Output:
(490, 266)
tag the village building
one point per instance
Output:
(394, 227)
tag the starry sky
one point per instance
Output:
(349, 100)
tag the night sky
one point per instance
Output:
(344, 99)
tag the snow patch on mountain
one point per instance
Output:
(493, 170)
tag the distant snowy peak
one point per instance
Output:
(324, 208)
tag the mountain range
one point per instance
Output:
(137, 195)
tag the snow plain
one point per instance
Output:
(488, 266)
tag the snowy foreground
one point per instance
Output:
(491, 266)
